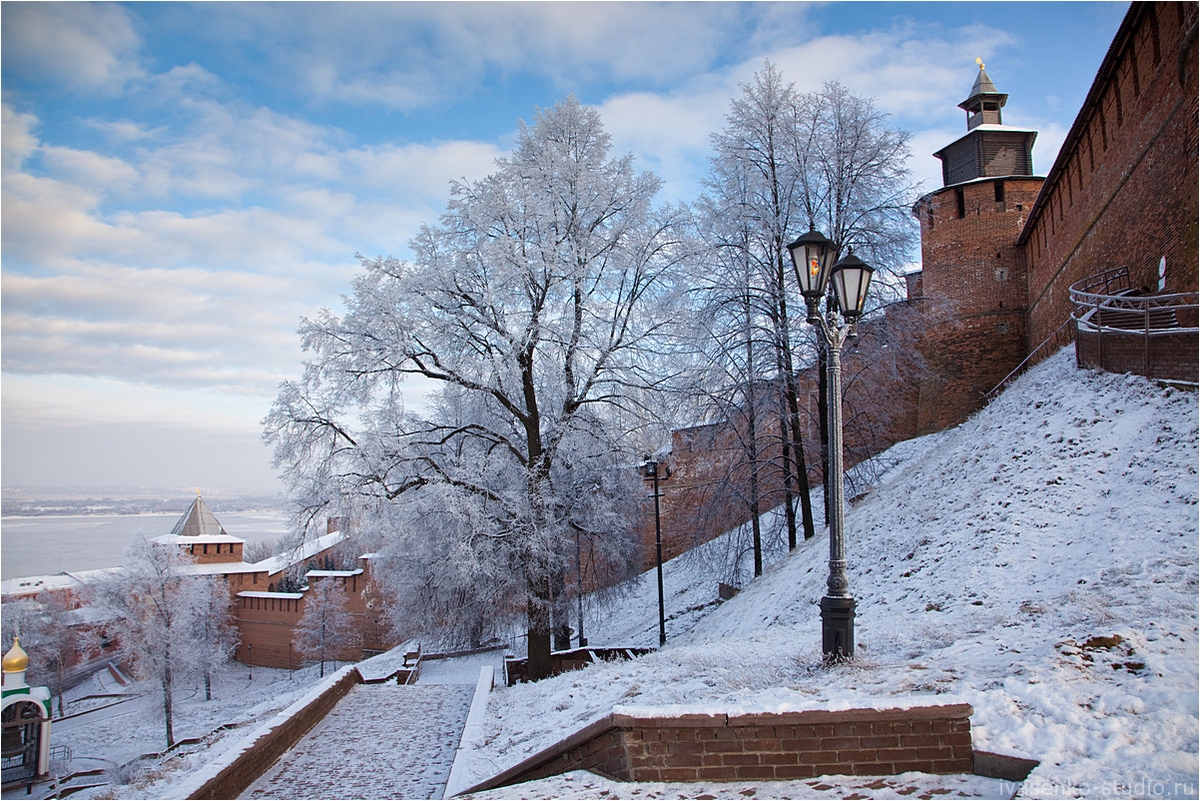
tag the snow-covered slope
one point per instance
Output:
(1038, 561)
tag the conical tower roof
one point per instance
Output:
(198, 521)
(982, 89)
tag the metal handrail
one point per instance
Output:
(1055, 337)
(1120, 312)
(1116, 308)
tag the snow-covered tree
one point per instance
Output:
(755, 194)
(327, 627)
(214, 630)
(540, 309)
(157, 599)
(786, 161)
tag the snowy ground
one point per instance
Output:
(1038, 562)
(113, 738)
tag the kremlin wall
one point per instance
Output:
(1001, 247)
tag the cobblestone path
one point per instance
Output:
(380, 741)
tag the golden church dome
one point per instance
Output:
(16, 660)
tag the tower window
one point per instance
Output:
(999, 186)
(962, 203)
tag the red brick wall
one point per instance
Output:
(764, 746)
(1166, 354)
(1124, 188)
(207, 553)
(267, 624)
(972, 265)
(233, 780)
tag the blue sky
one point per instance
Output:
(181, 182)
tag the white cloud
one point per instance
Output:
(17, 139)
(87, 46)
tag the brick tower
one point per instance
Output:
(973, 273)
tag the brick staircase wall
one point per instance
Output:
(759, 746)
(229, 775)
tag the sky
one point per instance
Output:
(182, 183)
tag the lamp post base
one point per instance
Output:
(837, 627)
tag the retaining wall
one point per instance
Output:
(761, 746)
(1171, 355)
(230, 775)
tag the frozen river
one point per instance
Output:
(44, 545)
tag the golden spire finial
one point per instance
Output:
(979, 61)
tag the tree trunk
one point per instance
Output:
(168, 702)
(61, 689)
(752, 437)
(538, 639)
(207, 684)
(561, 611)
(801, 464)
(789, 508)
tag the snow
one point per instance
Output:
(306, 550)
(114, 738)
(1038, 562)
(581, 784)
(380, 741)
(985, 562)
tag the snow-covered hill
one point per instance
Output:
(1038, 562)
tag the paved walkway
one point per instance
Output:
(380, 741)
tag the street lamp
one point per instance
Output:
(650, 471)
(851, 276)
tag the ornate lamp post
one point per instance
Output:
(650, 471)
(812, 255)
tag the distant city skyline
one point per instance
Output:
(181, 183)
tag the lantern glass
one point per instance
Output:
(851, 278)
(812, 254)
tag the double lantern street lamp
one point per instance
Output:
(812, 257)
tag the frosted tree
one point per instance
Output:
(327, 628)
(786, 161)
(540, 308)
(214, 630)
(754, 189)
(51, 633)
(156, 599)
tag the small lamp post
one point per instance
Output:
(812, 255)
(650, 471)
(250, 659)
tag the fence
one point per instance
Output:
(1120, 329)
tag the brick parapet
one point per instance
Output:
(230, 775)
(766, 746)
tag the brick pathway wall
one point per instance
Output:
(765, 746)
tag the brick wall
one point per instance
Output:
(1165, 354)
(971, 264)
(230, 780)
(267, 621)
(763, 746)
(1123, 191)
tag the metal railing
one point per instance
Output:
(1062, 335)
(1107, 306)
(1107, 302)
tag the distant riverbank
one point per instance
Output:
(40, 545)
